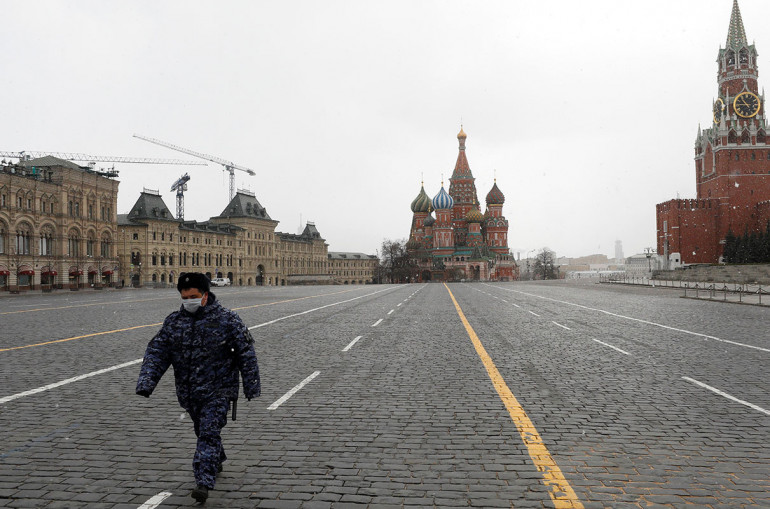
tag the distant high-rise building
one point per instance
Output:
(619, 252)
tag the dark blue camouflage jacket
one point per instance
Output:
(207, 349)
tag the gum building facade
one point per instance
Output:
(57, 225)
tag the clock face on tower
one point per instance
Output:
(719, 107)
(746, 104)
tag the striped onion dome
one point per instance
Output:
(429, 221)
(442, 200)
(495, 196)
(474, 216)
(422, 202)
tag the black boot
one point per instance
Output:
(200, 493)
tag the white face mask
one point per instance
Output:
(191, 305)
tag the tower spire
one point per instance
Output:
(462, 168)
(736, 34)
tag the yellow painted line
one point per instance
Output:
(156, 324)
(148, 300)
(562, 494)
(80, 337)
(81, 305)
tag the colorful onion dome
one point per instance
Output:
(442, 200)
(474, 216)
(461, 135)
(495, 196)
(422, 202)
(429, 221)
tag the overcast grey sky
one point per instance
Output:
(587, 111)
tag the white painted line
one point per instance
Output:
(533, 313)
(316, 309)
(292, 392)
(155, 501)
(504, 301)
(560, 325)
(516, 305)
(613, 347)
(351, 344)
(67, 381)
(728, 396)
(389, 312)
(375, 324)
(399, 304)
(684, 331)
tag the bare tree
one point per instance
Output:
(392, 253)
(545, 265)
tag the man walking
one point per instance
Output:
(208, 345)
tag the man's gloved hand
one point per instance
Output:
(143, 392)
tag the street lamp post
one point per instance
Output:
(529, 272)
(648, 252)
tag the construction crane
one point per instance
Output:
(180, 186)
(25, 155)
(229, 166)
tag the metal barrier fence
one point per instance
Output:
(713, 291)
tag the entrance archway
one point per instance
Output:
(260, 275)
(425, 275)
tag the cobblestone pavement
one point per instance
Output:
(636, 398)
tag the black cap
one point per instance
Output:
(193, 280)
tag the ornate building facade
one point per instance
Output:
(460, 242)
(57, 225)
(59, 229)
(732, 163)
(240, 244)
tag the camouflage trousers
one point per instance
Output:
(209, 418)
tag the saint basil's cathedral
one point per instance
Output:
(460, 242)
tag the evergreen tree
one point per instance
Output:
(753, 255)
(740, 248)
(766, 244)
(729, 249)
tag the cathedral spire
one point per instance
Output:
(462, 168)
(736, 34)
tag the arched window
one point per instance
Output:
(73, 243)
(3, 237)
(23, 238)
(90, 244)
(732, 137)
(761, 137)
(731, 57)
(46, 241)
(744, 57)
(105, 249)
(745, 138)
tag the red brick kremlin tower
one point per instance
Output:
(732, 163)
(460, 242)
